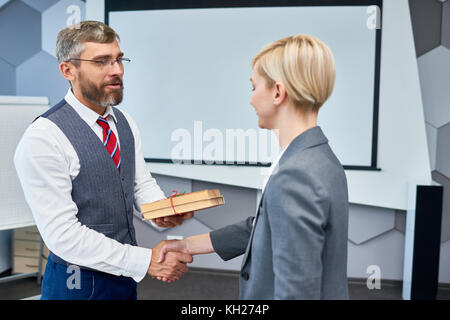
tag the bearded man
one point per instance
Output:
(82, 171)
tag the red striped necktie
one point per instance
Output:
(110, 141)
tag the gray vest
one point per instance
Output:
(104, 196)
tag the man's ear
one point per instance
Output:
(279, 93)
(67, 70)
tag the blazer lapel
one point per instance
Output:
(249, 245)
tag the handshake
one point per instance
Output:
(169, 257)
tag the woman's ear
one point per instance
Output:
(67, 70)
(279, 93)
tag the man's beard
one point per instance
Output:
(99, 95)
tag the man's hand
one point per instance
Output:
(199, 244)
(172, 268)
(173, 245)
(172, 221)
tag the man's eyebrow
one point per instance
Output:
(106, 56)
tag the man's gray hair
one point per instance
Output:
(70, 41)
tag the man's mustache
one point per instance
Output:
(114, 81)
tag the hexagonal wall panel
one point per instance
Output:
(40, 76)
(400, 220)
(444, 181)
(20, 29)
(3, 2)
(446, 24)
(443, 150)
(444, 262)
(40, 5)
(432, 144)
(59, 16)
(434, 72)
(367, 222)
(7, 79)
(426, 17)
(386, 252)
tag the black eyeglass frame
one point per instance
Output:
(104, 62)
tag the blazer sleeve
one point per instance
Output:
(297, 214)
(231, 241)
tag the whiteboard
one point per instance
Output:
(188, 84)
(16, 114)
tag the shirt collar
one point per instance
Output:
(272, 168)
(86, 113)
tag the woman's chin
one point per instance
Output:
(260, 123)
(263, 125)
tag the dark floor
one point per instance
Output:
(200, 284)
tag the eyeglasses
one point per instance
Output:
(105, 63)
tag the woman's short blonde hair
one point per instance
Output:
(304, 64)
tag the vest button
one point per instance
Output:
(245, 275)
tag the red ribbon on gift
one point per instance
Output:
(171, 202)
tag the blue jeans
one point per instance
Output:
(59, 284)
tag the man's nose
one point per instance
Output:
(116, 69)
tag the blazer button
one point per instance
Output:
(245, 275)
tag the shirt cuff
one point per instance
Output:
(160, 229)
(138, 262)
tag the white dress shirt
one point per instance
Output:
(268, 173)
(46, 164)
(273, 169)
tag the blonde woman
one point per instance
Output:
(296, 246)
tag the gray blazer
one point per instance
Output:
(297, 248)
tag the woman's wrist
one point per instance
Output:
(199, 244)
